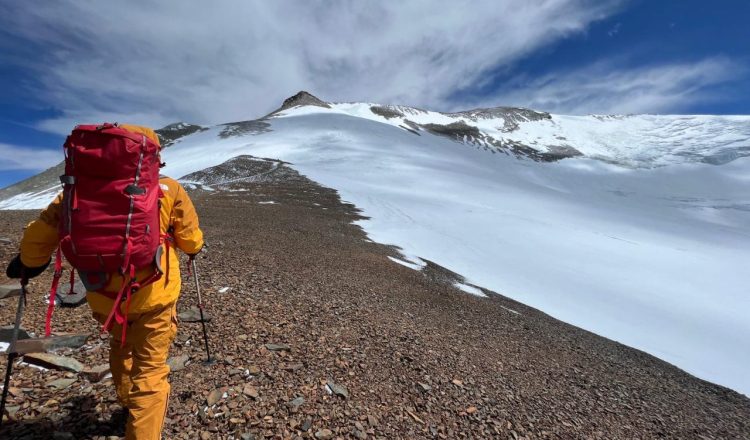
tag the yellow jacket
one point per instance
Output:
(177, 215)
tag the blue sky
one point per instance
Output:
(151, 63)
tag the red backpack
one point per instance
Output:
(110, 215)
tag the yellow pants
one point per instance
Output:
(139, 369)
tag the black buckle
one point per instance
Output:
(67, 180)
(134, 190)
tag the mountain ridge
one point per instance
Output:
(472, 127)
(650, 216)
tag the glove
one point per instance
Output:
(16, 269)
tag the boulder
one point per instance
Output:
(40, 345)
(54, 362)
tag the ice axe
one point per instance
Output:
(12, 353)
(208, 361)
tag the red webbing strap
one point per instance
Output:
(72, 281)
(74, 205)
(126, 255)
(53, 293)
(129, 285)
(156, 275)
(115, 307)
(122, 319)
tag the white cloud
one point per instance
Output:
(17, 158)
(155, 62)
(607, 87)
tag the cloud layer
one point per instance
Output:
(210, 62)
(157, 62)
(606, 87)
(15, 157)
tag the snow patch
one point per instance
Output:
(411, 265)
(470, 289)
(26, 364)
(511, 310)
(31, 200)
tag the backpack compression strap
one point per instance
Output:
(130, 285)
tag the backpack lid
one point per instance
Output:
(149, 133)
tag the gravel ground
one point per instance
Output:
(317, 334)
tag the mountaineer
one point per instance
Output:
(118, 222)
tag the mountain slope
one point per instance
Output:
(418, 358)
(641, 238)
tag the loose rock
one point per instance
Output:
(250, 391)
(278, 347)
(53, 361)
(214, 396)
(6, 333)
(12, 410)
(193, 314)
(295, 403)
(324, 434)
(10, 290)
(40, 345)
(338, 390)
(177, 363)
(95, 374)
(71, 300)
(61, 384)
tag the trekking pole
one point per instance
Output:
(12, 355)
(200, 308)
